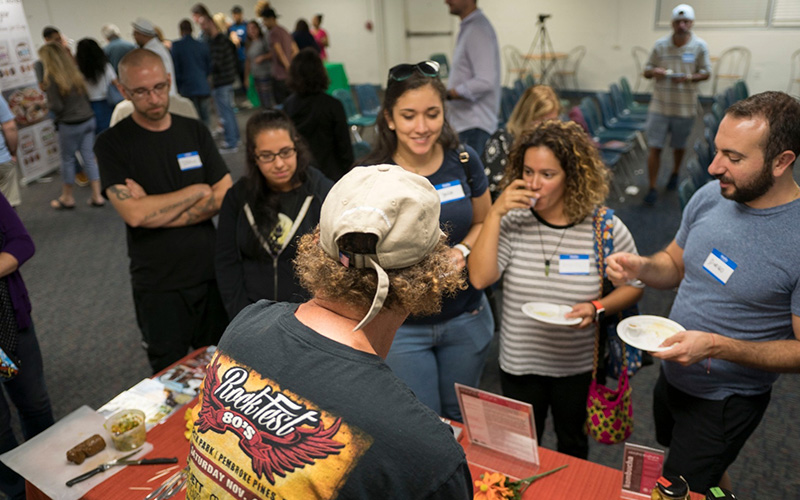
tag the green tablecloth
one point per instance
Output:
(337, 76)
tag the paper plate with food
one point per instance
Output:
(647, 332)
(552, 314)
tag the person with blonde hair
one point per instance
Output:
(68, 99)
(538, 103)
(542, 223)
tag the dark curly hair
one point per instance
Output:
(263, 200)
(307, 75)
(586, 175)
(91, 59)
(387, 139)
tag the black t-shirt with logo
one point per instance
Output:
(286, 413)
(162, 162)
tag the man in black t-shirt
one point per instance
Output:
(165, 177)
(297, 402)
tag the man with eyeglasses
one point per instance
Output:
(164, 175)
(474, 81)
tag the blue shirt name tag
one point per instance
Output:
(189, 161)
(450, 191)
(688, 57)
(573, 264)
(719, 266)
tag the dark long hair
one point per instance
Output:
(307, 74)
(91, 59)
(262, 199)
(387, 139)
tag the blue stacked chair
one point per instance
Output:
(354, 118)
(620, 107)
(594, 120)
(610, 120)
(368, 99)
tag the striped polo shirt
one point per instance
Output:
(671, 98)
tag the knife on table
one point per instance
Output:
(121, 461)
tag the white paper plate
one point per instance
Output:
(647, 332)
(552, 314)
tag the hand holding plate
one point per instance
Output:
(686, 347)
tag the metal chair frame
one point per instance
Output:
(733, 64)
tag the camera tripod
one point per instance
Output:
(541, 52)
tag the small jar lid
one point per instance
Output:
(673, 486)
(717, 493)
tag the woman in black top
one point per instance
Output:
(319, 118)
(302, 36)
(264, 214)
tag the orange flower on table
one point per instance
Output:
(492, 486)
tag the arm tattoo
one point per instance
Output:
(168, 208)
(121, 193)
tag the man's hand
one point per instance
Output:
(659, 73)
(687, 347)
(137, 192)
(623, 268)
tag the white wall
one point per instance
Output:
(608, 28)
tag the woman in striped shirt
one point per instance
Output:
(539, 236)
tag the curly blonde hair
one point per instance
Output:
(417, 289)
(586, 176)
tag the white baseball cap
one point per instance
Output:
(682, 12)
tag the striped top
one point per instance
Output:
(671, 98)
(528, 346)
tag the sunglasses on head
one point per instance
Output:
(404, 71)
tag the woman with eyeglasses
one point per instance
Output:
(540, 236)
(68, 99)
(432, 353)
(264, 214)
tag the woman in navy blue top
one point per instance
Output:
(432, 353)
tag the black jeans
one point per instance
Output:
(173, 321)
(28, 393)
(564, 396)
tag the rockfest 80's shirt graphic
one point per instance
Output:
(254, 441)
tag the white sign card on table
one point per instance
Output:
(501, 432)
(641, 468)
(38, 152)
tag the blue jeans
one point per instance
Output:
(77, 137)
(431, 358)
(223, 99)
(102, 115)
(28, 393)
(202, 103)
(476, 138)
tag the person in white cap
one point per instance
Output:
(298, 399)
(146, 37)
(678, 62)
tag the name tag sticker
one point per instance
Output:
(450, 191)
(189, 161)
(573, 264)
(688, 57)
(719, 266)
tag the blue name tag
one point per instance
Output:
(719, 266)
(450, 191)
(573, 264)
(688, 57)
(189, 161)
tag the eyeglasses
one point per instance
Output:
(269, 156)
(404, 71)
(159, 89)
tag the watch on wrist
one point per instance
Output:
(600, 311)
(463, 248)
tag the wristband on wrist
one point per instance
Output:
(463, 248)
(600, 311)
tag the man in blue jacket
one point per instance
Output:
(192, 61)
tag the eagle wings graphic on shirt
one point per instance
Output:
(252, 440)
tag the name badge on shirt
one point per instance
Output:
(573, 264)
(688, 57)
(189, 161)
(719, 266)
(450, 191)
